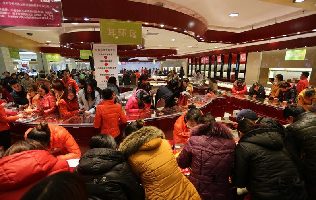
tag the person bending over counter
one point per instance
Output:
(257, 91)
(139, 101)
(307, 99)
(168, 93)
(239, 87)
(18, 94)
(88, 98)
(57, 140)
(187, 121)
(109, 115)
(47, 102)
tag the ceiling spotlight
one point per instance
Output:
(162, 25)
(272, 37)
(234, 14)
(86, 19)
(284, 35)
(75, 23)
(215, 47)
(81, 42)
(314, 30)
(298, 1)
(65, 19)
(175, 28)
(189, 46)
(48, 41)
(146, 23)
(185, 31)
(173, 39)
(298, 33)
(191, 24)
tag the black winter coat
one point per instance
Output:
(108, 176)
(260, 94)
(265, 167)
(301, 137)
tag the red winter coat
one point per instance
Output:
(239, 89)
(210, 155)
(71, 83)
(181, 133)
(68, 109)
(47, 104)
(302, 85)
(108, 117)
(61, 143)
(4, 119)
(20, 171)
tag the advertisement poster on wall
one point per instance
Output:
(106, 63)
(40, 13)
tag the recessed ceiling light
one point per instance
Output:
(314, 30)
(272, 37)
(173, 39)
(185, 31)
(191, 24)
(65, 19)
(75, 23)
(162, 25)
(298, 33)
(86, 19)
(81, 42)
(48, 41)
(146, 23)
(234, 14)
(244, 42)
(305, 46)
(284, 35)
(175, 28)
(298, 1)
(189, 46)
(215, 47)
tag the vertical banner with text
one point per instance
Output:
(105, 61)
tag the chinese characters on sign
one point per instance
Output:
(243, 58)
(43, 13)
(119, 32)
(105, 61)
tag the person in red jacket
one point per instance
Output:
(183, 125)
(239, 87)
(303, 83)
(57, 140)
(109, 115)
(5, 139)
(68, 81)
(23, 165)
(47, 102)
(66, 100)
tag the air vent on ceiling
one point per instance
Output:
(151, 33)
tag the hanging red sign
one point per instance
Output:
(205, 60)
(243, 58)
(41, 13)
(219, 59)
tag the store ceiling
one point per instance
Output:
(252, 14)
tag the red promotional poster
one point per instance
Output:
(205, 60)
(243, 58)
(41, 13)
(219, 59)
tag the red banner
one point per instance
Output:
(219, 59)
(42, 13)
(205, 60)
(243, 58)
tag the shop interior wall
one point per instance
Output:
(276, 59)
(175, 63)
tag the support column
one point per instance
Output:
(253, 67)
(6, 63)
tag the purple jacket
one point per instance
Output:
(210, 155)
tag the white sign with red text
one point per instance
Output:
(106, 63)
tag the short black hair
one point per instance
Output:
(309, 92)
(13, 82)
(293, 111)
(279, 77)
(306, 74)
(102, 141)
(107, 94)
(40, 133)
(62, 186)
(112, 80)
(193, 114)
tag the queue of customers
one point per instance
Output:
(269, 162)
